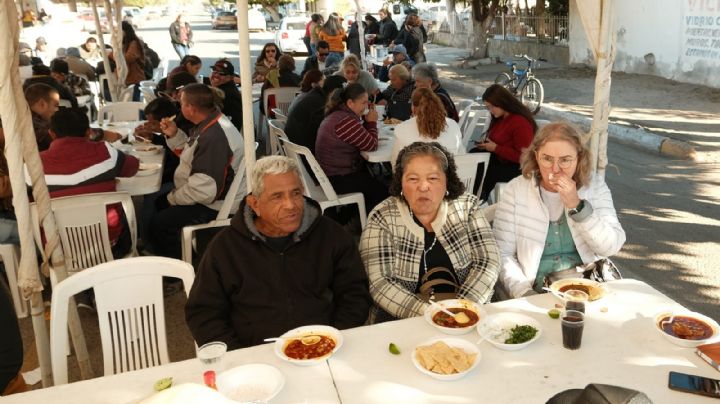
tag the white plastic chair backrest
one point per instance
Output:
(464, 113)
(283, 97)
(279, 114)
(467, 168)
(64, 103)
(82, 224)
(148, 84)
(277, 130)
(468, 127)
(496, 192)
(148, 94)
(462, 104)
(295, 151)
(188, 246)
(121, 111)
(126, 94)
(83, 100)
(131, 315)
(541, 122)
(234, 194)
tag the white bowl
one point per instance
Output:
(253, 382)
(597, 290)
(326, 330)
(448, 304)
(466, 346)
(491, 328)
(146, 169)
(146, 149)
(688, 343)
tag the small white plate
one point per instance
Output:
(146, 169)
(253, 382)
(466, 346)
(147, 149)
(326, 330)
(496, 327)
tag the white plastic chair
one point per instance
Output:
(324, 193)
(121, 111)
(464, 108)
(148, 94)
(283, 98)
(470, 123)
(276, 131)
(64, 103)
(467, 168)
(229, 205)
(462, 104)
(83, 229)
(496, 193)
(130, 309)
(280, 115)
(9, 254)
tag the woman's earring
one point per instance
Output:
(447, 193)
(401, 194)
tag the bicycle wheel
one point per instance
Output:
(504, 80)
(532, 95)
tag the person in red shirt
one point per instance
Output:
(511, 130)
(76, 165)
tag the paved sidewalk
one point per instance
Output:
(675, 119)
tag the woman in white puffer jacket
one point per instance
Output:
(556, 215)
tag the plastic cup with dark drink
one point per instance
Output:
(576, 300)
(573, 322)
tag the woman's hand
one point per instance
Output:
(566, 188)
(372, 115)
(488, 145)
(147, 130)
(168, 127)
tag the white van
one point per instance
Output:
(400, 12)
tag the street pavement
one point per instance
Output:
(668, 206)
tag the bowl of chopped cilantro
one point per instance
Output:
(509, 331)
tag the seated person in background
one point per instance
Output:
(42, 74)
(266, 61)
(43, 101)
(428, 240)
(318, 61)
(90, 51)
(351, 70)
(60, 71)
(253, 282)
(400, 56)
(511, 131)
(308, 110)
(188, 64)
(556, 215)
(426, 76)
(79, 66)
(397, 95)
(8, 223)
(342, 135)
(155, 111)
(210, 156)
(222, 77)
(75, 165)
(24, 61)
(428, 124)
(283, 76)
(41, 50)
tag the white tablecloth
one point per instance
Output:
(142, 185)
(619, 346)
(386, 139)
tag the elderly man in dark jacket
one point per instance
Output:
(280, 265)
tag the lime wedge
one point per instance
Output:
(393, 349)
(554, 313)
(163, 384)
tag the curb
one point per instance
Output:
(639, 137)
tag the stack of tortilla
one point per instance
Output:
(443, 359)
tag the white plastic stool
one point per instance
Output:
(9, 254)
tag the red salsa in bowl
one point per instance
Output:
(684, 327)
(444, 320)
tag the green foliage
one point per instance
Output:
(558, 7)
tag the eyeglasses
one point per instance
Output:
(270, 51)
(549, 161)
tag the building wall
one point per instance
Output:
(675, 39)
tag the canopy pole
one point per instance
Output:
(246, 90)
(112, 82)
(361, 33)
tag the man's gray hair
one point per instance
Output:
(426, 71)
(400, 71)
(271, 165)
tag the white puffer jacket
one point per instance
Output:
(521, 225)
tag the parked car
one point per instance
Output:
(401, 11)
(256, 20)
(289, 37)
(224, 19)
(88, 21)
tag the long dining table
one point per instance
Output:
(620, 346)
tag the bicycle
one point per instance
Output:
(523, 83)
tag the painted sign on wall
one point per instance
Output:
(701, 30)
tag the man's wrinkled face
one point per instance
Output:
(279, 208)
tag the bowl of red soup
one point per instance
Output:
(466, 315)
(686, 328)
(308, 345)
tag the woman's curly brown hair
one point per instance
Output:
(454, 186)
(429, 113)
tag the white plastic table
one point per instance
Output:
(620, 346)
(386, 139)
(141, 185)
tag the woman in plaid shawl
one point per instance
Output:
(429, 240)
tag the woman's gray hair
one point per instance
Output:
(271, 165)
(426, 71)
(400, 71)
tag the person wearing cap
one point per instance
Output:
(60, 71)
(24, 62)
(79, 66)
(397, 95)
(41, 50)
(399, 56)
(42, 74)
(223, 77)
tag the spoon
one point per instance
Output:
(460, 318)
(305, 339)
(556, 293)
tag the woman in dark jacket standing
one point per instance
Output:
(181, 36)
(388, 28)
